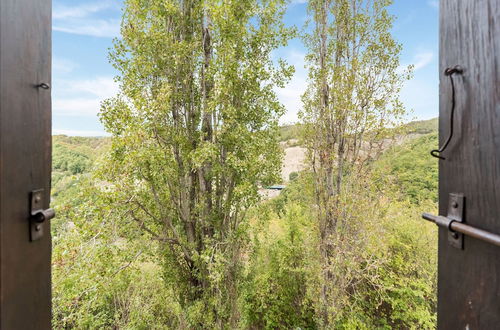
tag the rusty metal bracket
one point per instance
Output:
(455, 215)
(38, 216)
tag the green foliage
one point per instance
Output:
(276, 294)
(106, 271)
(296, 131)
(71, 157)
(400, 292)
(74, 155)
(388, 274)
(103, 273)
(350, 108)
(161, 225)
(412, 169)
(194, 135)
(409, 277)
(101, 277)
(68, 160)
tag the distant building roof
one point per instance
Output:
(276, 187)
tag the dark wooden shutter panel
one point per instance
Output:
(469, 279)
(25, 161)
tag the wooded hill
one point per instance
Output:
(73, 156)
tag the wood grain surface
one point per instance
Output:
(469, 279)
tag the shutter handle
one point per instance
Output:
(38, 216)
(43, 215)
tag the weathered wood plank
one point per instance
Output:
(469, 279)
(25, 138)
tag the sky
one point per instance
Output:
(83, 32)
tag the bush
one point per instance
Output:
(276, 293)
(293, 176)
(101, 278)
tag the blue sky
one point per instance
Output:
(83, 31)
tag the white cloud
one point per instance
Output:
(82, 97)
(101, 87)
(70, 132)
(61, 66)
(433, 3)
(94, 28)
(76, 106)
(65, 12)
(421, 60)
(86, 19)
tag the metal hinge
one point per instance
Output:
(38, 216)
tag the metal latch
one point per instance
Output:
(38, 215)
(455, 214)
(456, 228)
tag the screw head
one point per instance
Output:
(37, 199)
(454, 235)
(38, 227)
(454, 205)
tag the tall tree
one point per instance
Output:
(351, 101)
(194, 134)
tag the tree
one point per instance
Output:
(349, 107)
(194, 133)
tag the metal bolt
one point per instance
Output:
(37, 199)
(454, 205)
(38, 227)
(454, 235)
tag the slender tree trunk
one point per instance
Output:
(325, 161)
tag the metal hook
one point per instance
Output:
(43, 86)
(449, 72)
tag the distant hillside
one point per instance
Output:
(423, 126)
(292, 132)
(411, 167)
(72, 157)
(289, 132)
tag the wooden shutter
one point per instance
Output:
(25, 161)
(469, 279)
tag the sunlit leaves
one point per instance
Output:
(195, 133)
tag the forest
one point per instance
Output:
(164, 224)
